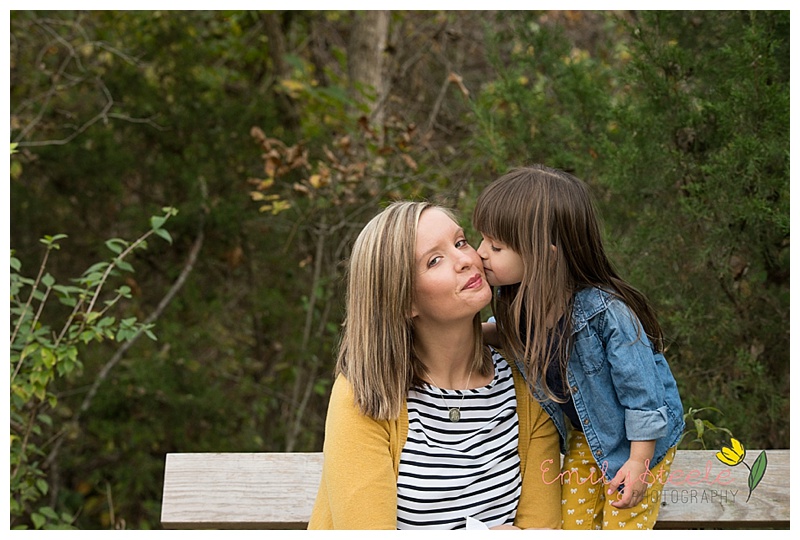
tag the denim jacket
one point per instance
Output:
(623, 390)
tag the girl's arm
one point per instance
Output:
(635, 374)
(359, 484)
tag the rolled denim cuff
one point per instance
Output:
(646, 425)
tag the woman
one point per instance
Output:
(426, 426)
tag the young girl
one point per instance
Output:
(588, 342)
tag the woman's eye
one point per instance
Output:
(461, 243)
(433, 261)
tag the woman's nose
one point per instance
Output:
(468, 258)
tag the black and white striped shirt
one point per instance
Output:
(451, 470)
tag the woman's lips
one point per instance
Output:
(474, 282)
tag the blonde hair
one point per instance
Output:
(531, 210)
(376, 350)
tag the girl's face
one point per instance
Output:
(450, 282)
(502, 265)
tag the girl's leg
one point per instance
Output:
(581, 486)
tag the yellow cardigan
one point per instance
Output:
(362, 457)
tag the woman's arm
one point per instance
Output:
(540, 501)
(359, 483)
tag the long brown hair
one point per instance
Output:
(531, 210)
(376, 350)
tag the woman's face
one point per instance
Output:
(450, 281)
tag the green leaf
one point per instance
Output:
(28, 350)
(700, 427)
(757, 472)
(68, 301)
(66, 290)
(49, 240)
(98, 267)
(38, 520)
(164, 234)
(116, 245)
(156, 222)
(48, 280)
(15, 264)
(48, 512)
(42, 486)
(122, 265)
(48, 358)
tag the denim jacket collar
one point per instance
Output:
(587, 303)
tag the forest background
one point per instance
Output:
(185, 187)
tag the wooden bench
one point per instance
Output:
(277, 491)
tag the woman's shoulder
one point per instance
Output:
(501, 364)
(342, 393)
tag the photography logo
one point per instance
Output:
(734, 454)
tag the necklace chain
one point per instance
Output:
(453, 412)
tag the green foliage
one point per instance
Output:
(680, 126)
(45, 346)
(701, 432)
(551, 100)
(709, 100)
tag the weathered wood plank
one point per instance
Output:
(277, 491)
(701, 490)
(240, 490)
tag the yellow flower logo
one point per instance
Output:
(734, 454)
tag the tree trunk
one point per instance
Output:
(277, 52)
(365, 59)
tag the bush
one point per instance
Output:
(43, 351)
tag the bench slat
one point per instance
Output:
(240, 490)
(700, 492)
(277, 491)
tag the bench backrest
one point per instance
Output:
(277, 491)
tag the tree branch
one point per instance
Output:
(101, 377)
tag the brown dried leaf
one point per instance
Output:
(300, 188)
(257, 133)
(409, 162)
(330, 155)
(457, 79)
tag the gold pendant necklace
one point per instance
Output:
(453, 412)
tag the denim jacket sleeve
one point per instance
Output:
(635, 374)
